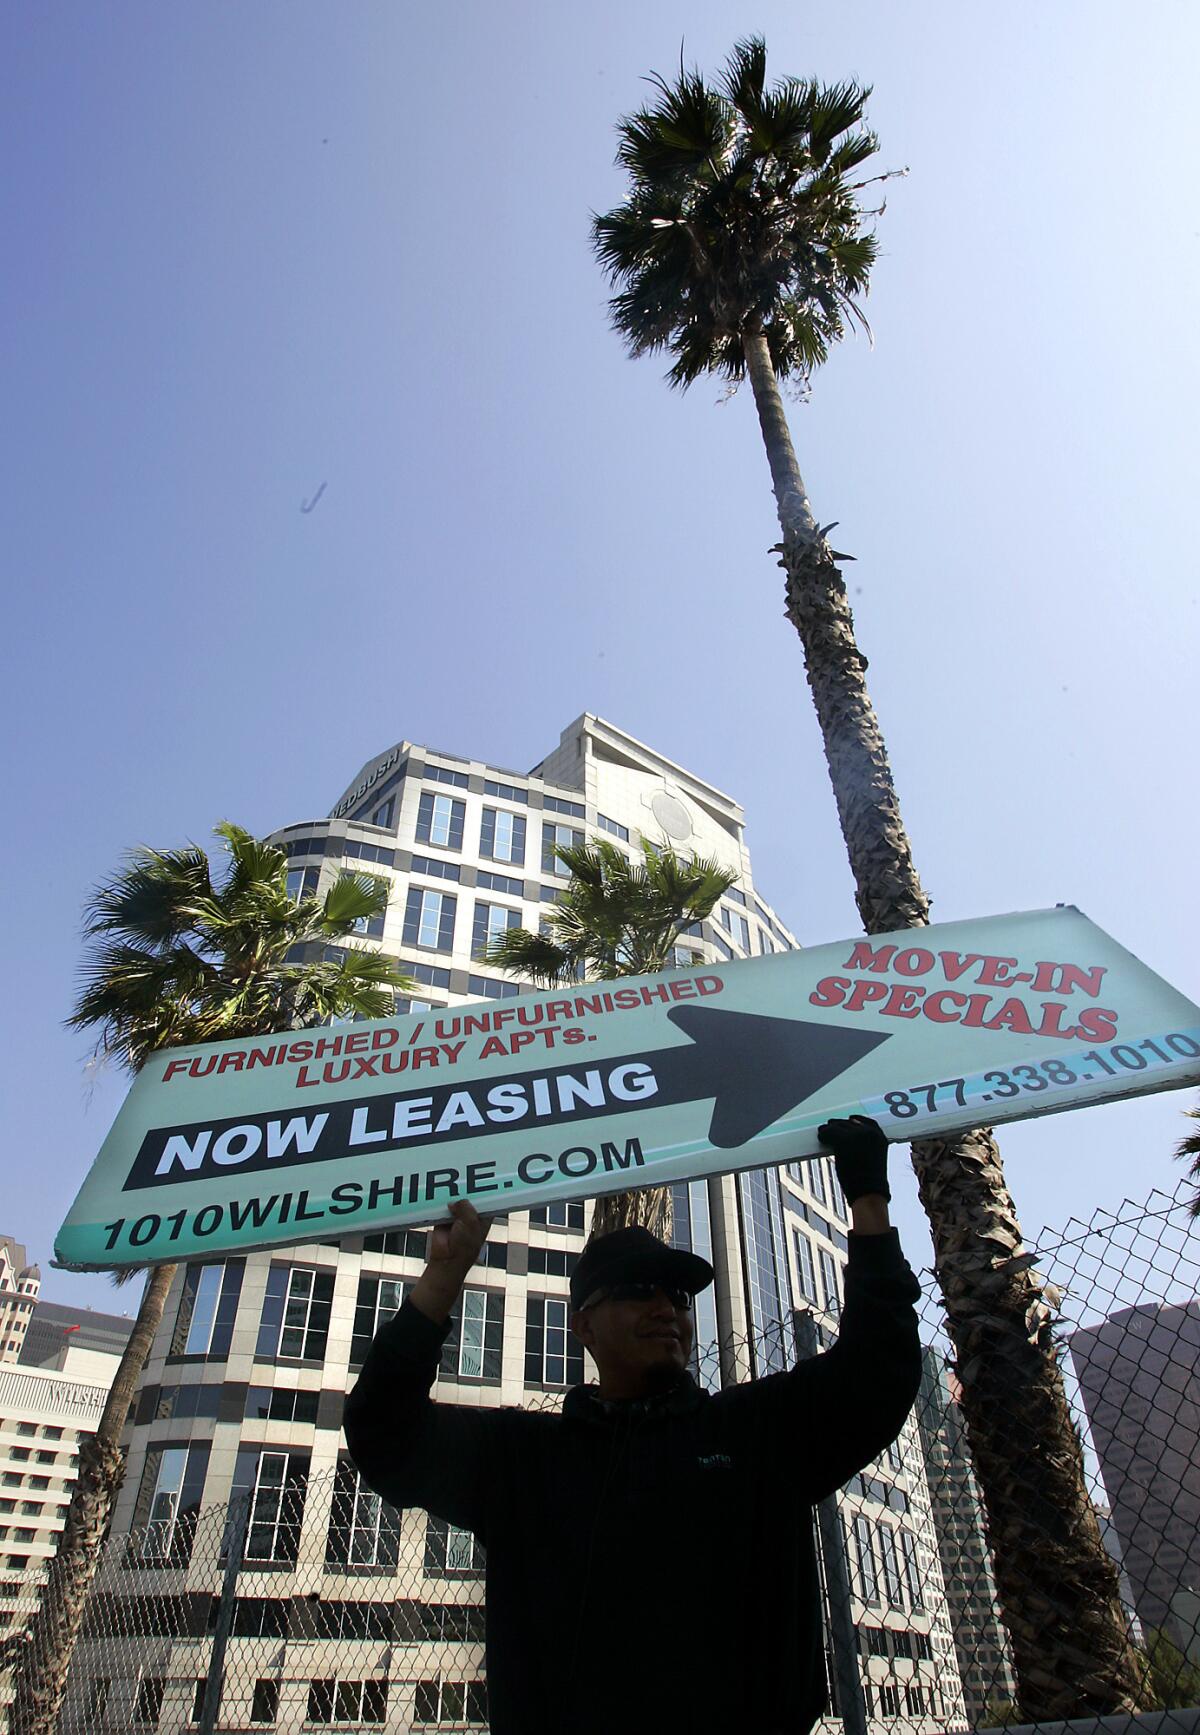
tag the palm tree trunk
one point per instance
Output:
(650, 1206)
(40, 1679)
(1058, 1588)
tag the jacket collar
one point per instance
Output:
(584, 1404)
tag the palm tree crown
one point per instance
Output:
(615, 917)
(179, 958)
(741, 218)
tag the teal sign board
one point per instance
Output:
(601, 1087)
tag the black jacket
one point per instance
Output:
(650, 1566)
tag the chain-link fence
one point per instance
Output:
(310, 1605)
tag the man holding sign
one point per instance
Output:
(645, 1570)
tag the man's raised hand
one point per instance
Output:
(458, 1242)
(859, 1155)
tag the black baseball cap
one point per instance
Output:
(634, 1255)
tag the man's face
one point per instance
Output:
(638, 1332)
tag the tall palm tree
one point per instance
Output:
(615, 917)
(742, 250)
(178, 957)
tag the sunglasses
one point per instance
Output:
(680, 1299)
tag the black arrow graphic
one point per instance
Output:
(758, 1068)
(754, 1067)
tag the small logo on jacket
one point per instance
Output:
(716, 1461)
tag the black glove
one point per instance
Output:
(859, 1155)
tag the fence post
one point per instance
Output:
(232, 1546)
(851, 1703)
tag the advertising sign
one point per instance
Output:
(600, 1087)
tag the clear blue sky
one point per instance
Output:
(254, 248)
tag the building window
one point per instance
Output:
(866, 1575)
(891, 1566)
(167, 1505)
(475, 1344)
(816, 1178)
(566, 1214)
(552, 1356)
(553, 804)
(502, 836)
(295, 1315)
(889, 1701)
(453, 1704)
(723, 946)
(302, 883)
(378, 1299)
(737, 925)
(278, 1404)
(264, 1706)
(450, 1552)
(765, 942)
(370, 927)
(443, 774)
(207, 1308)
(97, 1701)
(492, 922)
(829, 1279)
(363, 1530)
(276, 1482)
(148, 1703)
(876, 1639)
(440, 820)
(434, 868)
(27, 1429)
(914, 1700)
(382, 816)
(837, 1198)
(806, 1277)
(912, 1569)
(429, 919)
(505, 791)
(349, 1704)
(556, 837)
(611, 825)
(766, 1266)
(489, 882)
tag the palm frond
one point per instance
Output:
(740, 217)
(535, 956)
(1190, 1147)
(352, 898)
(151, 896)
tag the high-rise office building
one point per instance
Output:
(980, 1641)
(244, 1388)
(1139, 1373)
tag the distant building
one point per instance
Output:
(54, 1328)
(1112, 1547)
(980, 1641)
(1139, 1373)
(44, 1414)
(20, 1283)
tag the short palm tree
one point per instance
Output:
(616, 917)
(178, 957)
(742, 250)
(1190, 1147)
